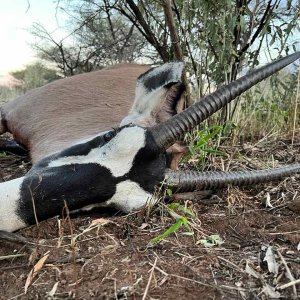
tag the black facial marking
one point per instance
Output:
(45, 190)
(161, 79)
(81, 149)
(77, 184)
(84, 148)
(148, 166)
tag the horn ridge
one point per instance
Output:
(188, 180)
(166, 133)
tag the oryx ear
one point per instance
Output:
(158, 95)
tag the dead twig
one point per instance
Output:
(288, 271)
(292, 283)
(149, 280)
(296, 108)
(14, 237)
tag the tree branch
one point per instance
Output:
(176, 44)
(268, 12)
(149, 35)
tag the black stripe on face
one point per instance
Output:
(82, 149)
(157, 81)
(78, 184)
(48, 188)
(149, 166)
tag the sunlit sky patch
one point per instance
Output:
(16, 17)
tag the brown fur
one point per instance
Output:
(53, 117)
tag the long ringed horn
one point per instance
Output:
(187, 180)
(166, 133)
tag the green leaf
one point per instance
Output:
(206, 243)
(172, 229)
(279, 31)
(211, 241)
(273, 39)
(215, 152)
(205, 139)
(289, 28)
(169, 192)
(181, 208)
(173, 205)
(243, 23)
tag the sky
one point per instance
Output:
(16, 17)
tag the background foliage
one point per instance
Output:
(218, 40)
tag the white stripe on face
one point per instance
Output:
(9, 201)
(117, 155)
(129, 196)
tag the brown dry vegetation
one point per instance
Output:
(113, 258)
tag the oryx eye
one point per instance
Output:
(109, 135)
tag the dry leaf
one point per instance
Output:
(108, 249)
(270, 259)
(251, 271)
(53, 290)
(93, 225)
(37, 267)
(100, 221)
(268, 201)
(144, 225)
(271, 292)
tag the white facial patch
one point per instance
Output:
(9, 200)
(117, 155)
(130, 196)
(142, 109)
(150, 99)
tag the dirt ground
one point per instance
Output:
(107, 256)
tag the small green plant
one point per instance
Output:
(181, 208)
(169, 192)
(179, 221)
(268, 109)
(213, 240)
(3, 155)
(204, 142)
